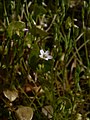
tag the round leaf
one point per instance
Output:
(24, 113)
(11, 94)
(15, 27)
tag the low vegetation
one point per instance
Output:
(44, 60)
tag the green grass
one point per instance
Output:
(62, 83)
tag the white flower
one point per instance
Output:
(45, 55)
(25, 29)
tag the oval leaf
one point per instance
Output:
(11, 94)
(15, 27)
(48, 111)
(24, 113)
(38, 32)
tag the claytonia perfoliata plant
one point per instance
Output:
(45, 55)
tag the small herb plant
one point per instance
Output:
(44, 60)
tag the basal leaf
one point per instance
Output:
(15, 27)
(24, 113)
(10, 94)
(38, 32)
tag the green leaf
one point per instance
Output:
(10, 94)
(38, 10)
(65, 102)
(33, 56)
(24, 113)
(47, 65)
(15, 27)
(73, 3)
(68, 23)
(38, 32)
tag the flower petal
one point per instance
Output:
(47, 53)
(41, 56)
(50, 57)
(41, 52)
(25, 29)
(45, 58)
